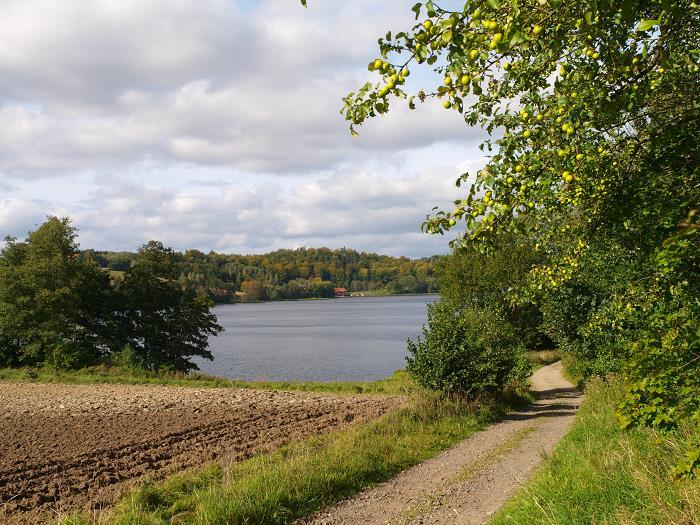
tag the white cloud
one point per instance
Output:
(128, 96)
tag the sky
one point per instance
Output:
(214, 124)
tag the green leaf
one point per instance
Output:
(627, 10)
(416, 9)
(516, 38)
(494, 4)
(447, 36)
(645, 25)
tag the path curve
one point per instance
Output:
(468, 483)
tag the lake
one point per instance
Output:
(345, 339)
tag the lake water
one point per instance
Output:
(347, 339)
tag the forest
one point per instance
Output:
(289, 274)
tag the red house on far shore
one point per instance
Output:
(341, 292)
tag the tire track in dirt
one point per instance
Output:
(68, 446)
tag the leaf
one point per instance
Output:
(447, 36)
(516, 38)
(416, 9)
(494, 4)
(303, 2)
(627, 10)
(645, 25)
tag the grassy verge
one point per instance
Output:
(601, 474)
(398, 383)
(540, 358)
(305, 476)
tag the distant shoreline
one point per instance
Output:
(412, 294)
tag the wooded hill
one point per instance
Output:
(290, 274)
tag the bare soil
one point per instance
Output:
(69, 446)
(470, 482)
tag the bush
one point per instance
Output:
(68, 356)
(127, 359)
(467, 351)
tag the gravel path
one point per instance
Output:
(471, 481)
(68, 446)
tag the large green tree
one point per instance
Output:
(163, 323)
(52, 302)
(593, 113)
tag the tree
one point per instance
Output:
(593, 114)
(253, 291)
(469, 278)
(164, 324)
(52, 301)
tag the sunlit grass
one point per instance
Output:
(602, 474)
(398, 383)
(543, 357)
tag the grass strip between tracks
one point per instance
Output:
(602, 474)
(303, 477)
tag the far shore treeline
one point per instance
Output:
(288, 274)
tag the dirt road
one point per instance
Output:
(468, 483)
(64, 446)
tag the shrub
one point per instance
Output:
(127, 359)
(467, 351)
(69, 356)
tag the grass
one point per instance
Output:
(540, 358)
(398, 383)
(305, 476)
(601, 474)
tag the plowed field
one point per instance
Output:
(69, 446)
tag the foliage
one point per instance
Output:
(593, 117)
(467, 351)
(291, 274)
(58, 308)
(47, 311)
(127, 360)
(469, 278)
(165, 324)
